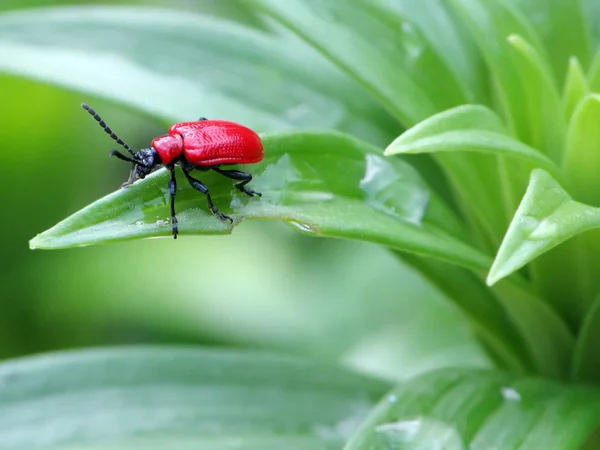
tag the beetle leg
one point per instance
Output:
(173, 191)
(238, 175)
(199, 186)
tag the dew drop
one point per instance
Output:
(392, 193)
(510, 394)
(302, 226)
(418, 433)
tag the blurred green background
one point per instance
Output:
(264, 286)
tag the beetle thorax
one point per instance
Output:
(168, 147)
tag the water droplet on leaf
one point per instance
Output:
(510, 394)
(418, 434)
(302, 226)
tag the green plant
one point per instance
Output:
(498, 95)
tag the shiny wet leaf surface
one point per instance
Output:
(455, 409)
(323, 183)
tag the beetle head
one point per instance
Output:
(146, 160)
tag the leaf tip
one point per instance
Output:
(40, 242)
(493, 277)
(36, 243)
(32, 244)
(574, 62)
(515, 40)
(394, 148)
(512, 38)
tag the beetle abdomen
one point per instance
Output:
(213, 142)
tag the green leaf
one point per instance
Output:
(563, 28)
(476, 178)
(451, 41)
(382, 50)
(467, 128)
(545, 333)
(537, 330)
(464, 117)
(232, 10)
(179, 66)
(582, 159)
(575, 88)
(591, 9)
(546, 217)
(581, 164)
(586, 358)
(488, 317)
(324, 183)
(491, 23)
(519, 331)
(170, 397)
(580, 168)
(458, 409)
(546, 121)
(594, 73)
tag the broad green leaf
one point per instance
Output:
(562, 27)
(575, 88)
(174, 397)
(491, 23)
(180, 66)
(439, 134)
(586, 358)
(546, 217)
(452, 42)
(472, 128)
(582, 159)
(382, 50)
(458, 409)
(546, 122)
(324, 183)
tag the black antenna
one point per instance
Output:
(105, 127)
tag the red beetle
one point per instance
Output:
(201, 145)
